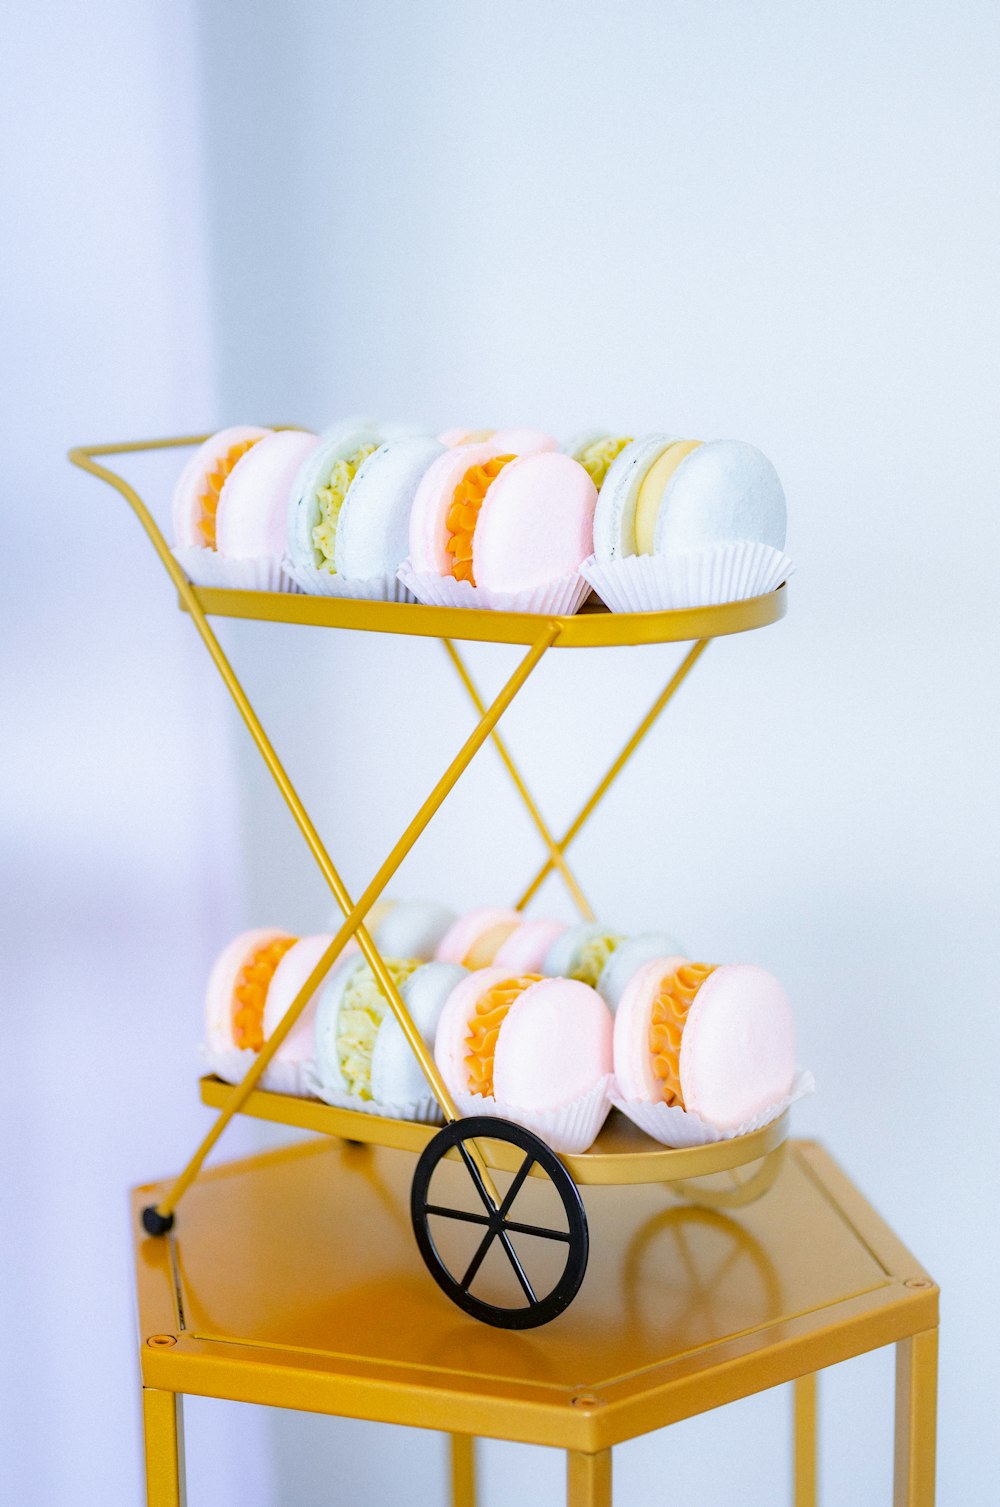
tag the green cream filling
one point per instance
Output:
(361, 1012)
(330, 499)
(596, 458)
(592, 957)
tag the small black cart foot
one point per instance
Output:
(155, 1223)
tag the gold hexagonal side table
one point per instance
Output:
(687, 1306)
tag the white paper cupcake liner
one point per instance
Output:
(206, 567)
(677, 1127)
(320, 583)
(693, 578)
(571, 1128)
(426, 1109)
(560, 598)
(279, 1077)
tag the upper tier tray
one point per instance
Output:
(592, 627)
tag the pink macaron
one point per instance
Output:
(474, 938)
(237, 989)
(526, 948)
(252, 516)
(196, 495)
(289, 976)
(535, 1044)
(718, 1042)
(500, 519)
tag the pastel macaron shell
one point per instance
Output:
(373, 532)
(289, 976)
(478, 933)
(326, 1020)
(252, 518)
(222, 981)
(428, 532)
(554, 1045)
(565, 948)
(185, 504)
(450, 1047)
(536, 523)
(738, 1047)
(413, 929)
(614, 516)
(521, 441)
(397, 1076)
(723, 491)
(527, 947)
(632, 1055)
(626, 960)
(338, 444)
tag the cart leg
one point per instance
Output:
(463, 1470)
(588, 1479)
(163, 1427)
(805, 1440)
(916, 1420)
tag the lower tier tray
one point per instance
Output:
(622, 1153)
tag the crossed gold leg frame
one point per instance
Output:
(588, 1477)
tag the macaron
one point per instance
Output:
(595, 449)
(237, 989)
(360, 1047)
(473, 939)
(291, 973)
(412, 929)
(528, 945)
(195, 499)
(581, 952)
(627, 958)
(501, 520)
(251, 520)
(533, 1043)
(349, 509)
(664, 495)
(519, 441)
(715, 1041)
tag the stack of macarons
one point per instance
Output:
(544, 1024)
(503, 519)
(682, 523)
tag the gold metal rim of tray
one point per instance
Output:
(622, 1153)
(608, 1162)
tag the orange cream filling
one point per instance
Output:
(666, 1027)
(250, 992)
(463, 514)
(214, 482)
(484, 1028)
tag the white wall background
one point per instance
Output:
(770, 221)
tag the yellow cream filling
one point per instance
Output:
(597, 457)
(250, 992)
(361, 1011)
(666, 1025)
(654, 484)
(463, 514)
(484, 1028)
(592, 957)
(331, 499)
(485, 948)
(214, 482)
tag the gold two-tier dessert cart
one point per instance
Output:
(502, 1159)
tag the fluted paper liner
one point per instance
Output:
(559, 598)
(571, 1128)
(206, 567)
(279, 1077)
(425, 1109)
(321, 583)
(678, 1127)
(692, 578)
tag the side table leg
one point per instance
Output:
(163, 1427)
(805, 1441)
(463, 1470)
(916, 1420)
(588, 1479)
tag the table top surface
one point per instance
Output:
(293, 1278)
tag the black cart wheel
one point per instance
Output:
(560, 1280)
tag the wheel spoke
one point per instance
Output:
(519, 1272)
(477, 1259)
(456, 1214)
(537, 1229)
(466, 1155)
(515, 1186)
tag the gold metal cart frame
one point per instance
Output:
(621, 1155)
